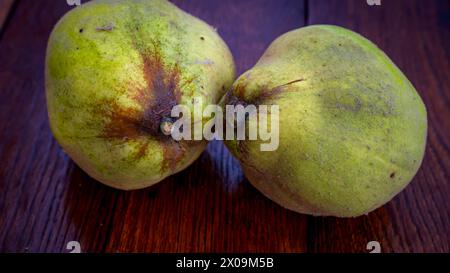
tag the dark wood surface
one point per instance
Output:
(47, 201)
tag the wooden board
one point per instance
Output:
(5, 8)
(47, 201)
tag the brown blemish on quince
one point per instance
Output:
(237, 96)
(161, 92)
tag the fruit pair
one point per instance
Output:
(352, 127)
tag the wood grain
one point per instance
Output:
(5, 8)
(47, 201)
